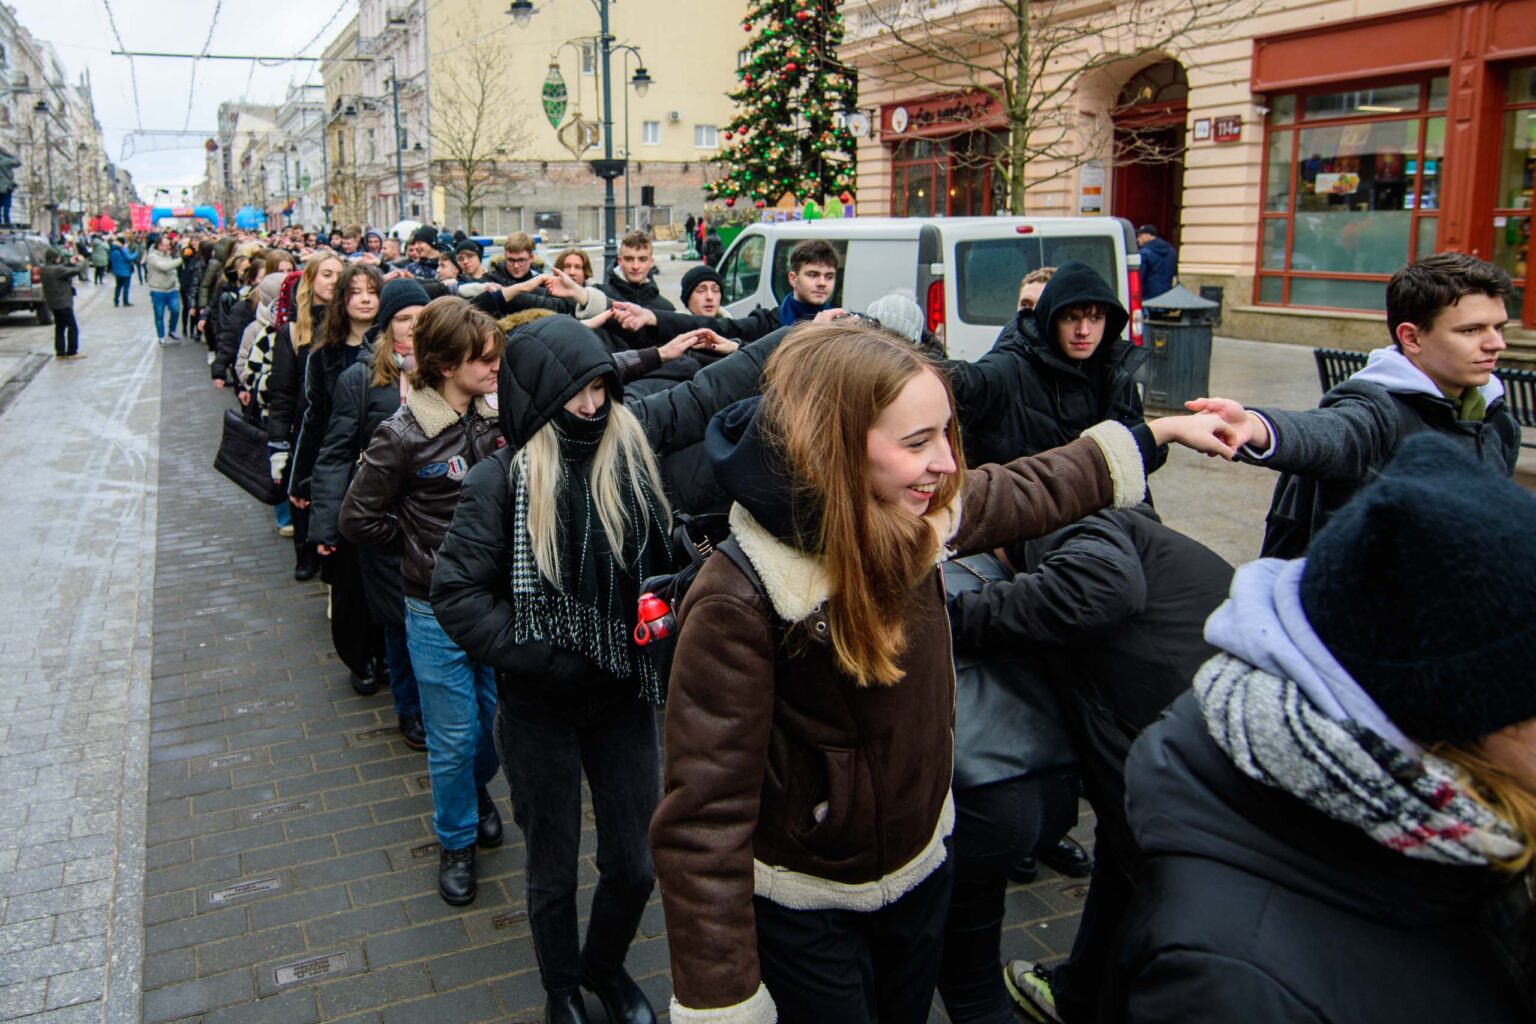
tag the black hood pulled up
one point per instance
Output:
(546, 364)
(750, 469)
(1075, 283)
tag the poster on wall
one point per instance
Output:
(1344, 183)
(1090, 187)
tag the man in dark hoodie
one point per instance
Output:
(1159, 262)
(1446, 317)
(1055, 371)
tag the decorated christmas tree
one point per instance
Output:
(787, 136)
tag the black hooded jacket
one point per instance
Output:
(1256, 908)
(620, 289)
(548, 362)
(356, 410)
(322, 370)
(1025, 396)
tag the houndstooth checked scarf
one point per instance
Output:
(593, 612)
(1414, 805)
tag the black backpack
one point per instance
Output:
(656, 631)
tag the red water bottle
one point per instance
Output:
(656, 620)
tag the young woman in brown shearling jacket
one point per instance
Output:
(802, 843)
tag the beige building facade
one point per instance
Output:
(689, 49)
(1296, 155)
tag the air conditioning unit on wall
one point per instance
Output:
(674, 116)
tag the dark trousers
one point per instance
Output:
(120, 292)
(545, 744)
(1079, 983)
(99, 274)
(995, 826)
(186, 314)
(66, 332)
(855, 967)
(5, 208)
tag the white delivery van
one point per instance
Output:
(963, 271)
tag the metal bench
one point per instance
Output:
(1334, 366)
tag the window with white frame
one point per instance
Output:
(589, 58)
(706, 136)
(650, 133)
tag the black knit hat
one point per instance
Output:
(697, 276)
(1424, 588)
(425, 234)
(467, 246)
(399, 294)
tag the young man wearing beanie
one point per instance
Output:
(422, 255)
(1446, 316)
(1336, 823)
(466, 256)
(701, 293)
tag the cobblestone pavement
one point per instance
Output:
(199, 795)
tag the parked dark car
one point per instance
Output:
(21, 274)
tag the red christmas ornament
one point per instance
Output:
(730, 202)
(727, 135)
(760, 204)
(791, 67)
(746, 26)
(846, 197)
(802, 15)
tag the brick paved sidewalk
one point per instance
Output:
(291, 863)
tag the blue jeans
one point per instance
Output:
(283, 513)
(164, 302)
(458, 710)
(402, 677)
(120, 293)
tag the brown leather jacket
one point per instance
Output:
(407, 487)
(783, 779)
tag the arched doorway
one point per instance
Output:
(1149, 117)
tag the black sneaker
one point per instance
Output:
(365, 686)
(1067, 857)
(456, 876)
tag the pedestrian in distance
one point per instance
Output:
(1159, 262)
(121, 259)
(539, 577)
(405, 492)
(1339, 820)
(1446, 315)
(59, 296)
(164, 286)
(136, 249)
(367, 393)
(803, 840)
(100, 256)
(188, 275)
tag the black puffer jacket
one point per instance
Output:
(1024, 396)
(357, 410)
(1113, 610)
(322, 370)
(1257, 908)
(285, 383)
(756, 324)
(234, 318)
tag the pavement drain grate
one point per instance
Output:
(213, 764)
(501, 922)
(264, 705)
(286, 810)
(245, 890)
(312, 969)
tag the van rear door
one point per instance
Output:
(969, 269)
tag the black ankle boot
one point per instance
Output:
(308, 566)
(456, 876)
(565, 1008)
(365, 685)
(1068, 858)
(621, 997)
(490, 832)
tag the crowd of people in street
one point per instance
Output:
(902, 612)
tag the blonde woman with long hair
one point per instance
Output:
(302, 316)
(802, 845)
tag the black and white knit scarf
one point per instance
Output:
(592, 612)
(1416, 806)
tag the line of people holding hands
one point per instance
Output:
(1314, 779)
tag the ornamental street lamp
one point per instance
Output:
(521, 12)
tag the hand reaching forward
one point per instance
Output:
(1238, 417)
(633, 317)
(1204, 432)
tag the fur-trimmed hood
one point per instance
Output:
(435, 415)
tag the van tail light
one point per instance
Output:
(935, 311)
(1134, 282)
(37, 275)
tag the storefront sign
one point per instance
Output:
(943, 115)
(1229, 128)
(1090, 187)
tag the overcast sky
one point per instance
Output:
(82, 35)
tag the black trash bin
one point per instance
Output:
(1177, 336)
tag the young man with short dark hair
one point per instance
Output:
(424, 259)
(1446, 317)
(813, 266)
